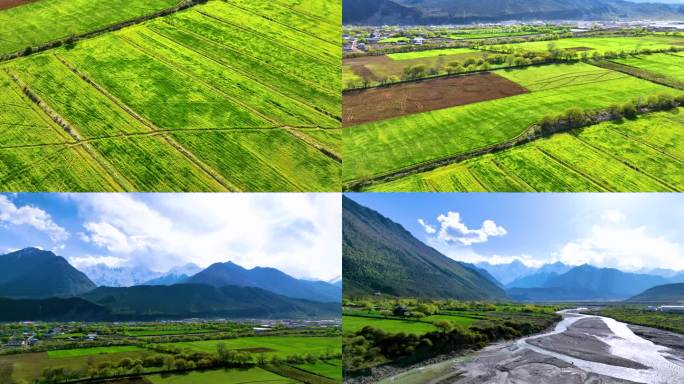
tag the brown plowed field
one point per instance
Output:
(6, 4)
(386, 102)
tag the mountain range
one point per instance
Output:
(584, 282)
(34, 273)
(380, 256)
(672, 294)
(39, 285)
(221, 274)
(200, 300)
(435, 12)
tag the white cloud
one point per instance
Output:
(613, 216)
(34, 217)
(297, 233)
(452, 229)
(429, 229)
(613, 243)
(87, 261)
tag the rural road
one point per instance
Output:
(581, 349)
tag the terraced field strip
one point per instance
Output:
(661, 68)
(432, 53)
(269, 345)
(414, 143)
(323, 368)
(643, 155)
(190, 103)
(77, 352)
(603, 44)
(225, 376)
(357, 323)
(47, 20)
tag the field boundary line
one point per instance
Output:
(308, 34)
(649, 145)
(580, 172)
(626, 163)
(122, 182)
(513, 176)
(300, 137)
(313, 85)
(161, 132)
(182, 5)
(570, 169)
(33, 107)
(177, 146)
(304, 13)
(248, 76)
(259, 34)
(639, 73)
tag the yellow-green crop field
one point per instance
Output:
(646, 154)
(224, 96)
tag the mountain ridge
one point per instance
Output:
(32, 273)
(380, 255)
(435, 12)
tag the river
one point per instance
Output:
(581, 349)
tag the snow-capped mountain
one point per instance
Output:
(103, 275)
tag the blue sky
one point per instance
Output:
(297, 233)
(626, 231)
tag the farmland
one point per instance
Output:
(601, 45)
(645, 154)
(374, 334)
(278, 346)
(228, 376)
(174, 352)
(39, 22)
(390, 68)
(665, 64)
(239, 96)
(387, 146)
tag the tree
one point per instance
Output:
(443, 325)
(629, 110)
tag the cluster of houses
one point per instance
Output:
(351, 43)
(666, 308)
(25, 340)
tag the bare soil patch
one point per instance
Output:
(386, 102)
(7, 4)
(580, 49)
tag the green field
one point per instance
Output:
(43, 21)
(385, 146)
(92, 351)
(431, 53)
(327, 369)
(282, 346)
(669, 65)
(239, 96)
(356, 323)
(646, 154)
(604, 44)
(227, 376)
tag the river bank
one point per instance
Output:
(581, 349)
